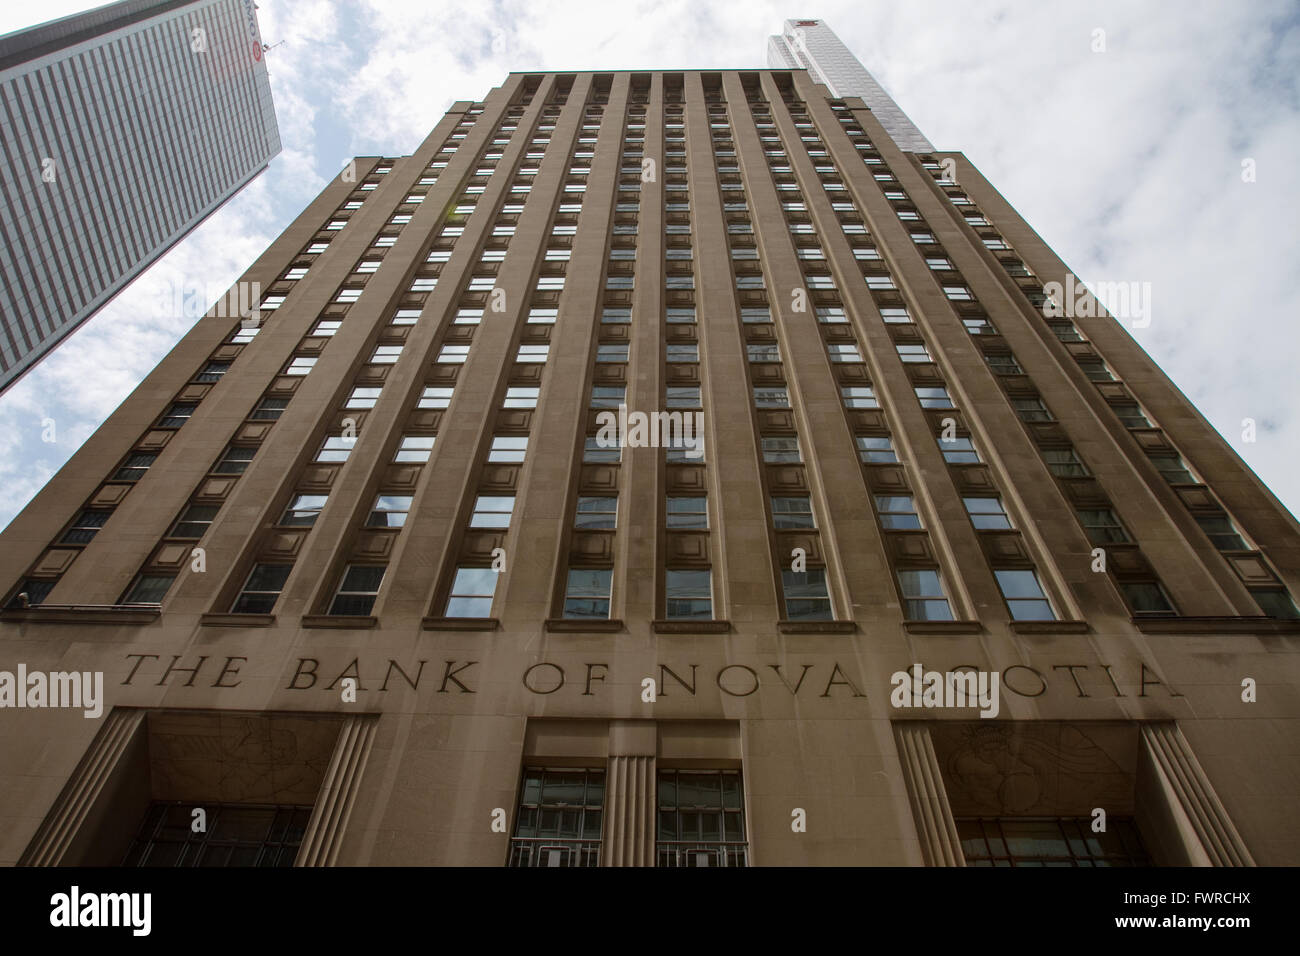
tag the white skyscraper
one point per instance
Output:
(813, 45)
(121, 129)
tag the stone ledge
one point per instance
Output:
(691, 627)
(577, 625)
(72, 614)
(237, 620)
(460, 624)
(817, 627)
(1216, 625)
(1050, 627)
(355, 621)
(943, 627)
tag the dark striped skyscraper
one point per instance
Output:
(658, 469)
(121, 130)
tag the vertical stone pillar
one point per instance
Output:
(1194, 812)
(930, 809)
(338, 792)
(82, 791)
(630, 794)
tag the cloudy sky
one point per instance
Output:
(1128, 162)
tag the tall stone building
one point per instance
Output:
(423, 561)
(122, 129)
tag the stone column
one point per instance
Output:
(930, 809)
(630, 794)
(81, 793)
(338, 792)
(1194, 815)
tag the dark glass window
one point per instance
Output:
(85, 526)
(235, 835)
(1064, 841)
(559, 818)
(701, 818)
(262, 589)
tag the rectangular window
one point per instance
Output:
(362, 398)
(875, 449)
(508, 449)
(682, 353)
(683, 397)
(543, 316)
(406, 317)
(415, 448)
(194, 521)
(85, 526)
(987, 514)
(1173, 469)
(1040, 842)
(792, 512)
(389, 511)
(300, 365)
(235, 835)
(149, 589)
(607, 396)
(859, 396)
(435, 397)
(492, 511)
(596, 451)
(1031, 410)
(1130, 415)
(1223, 534)
(701, 819)
(303, 510)
(521, 397)
(261, 589)
(679, 316)
(687, 513)
(781, 449)
(386, 355)
(453, 354)
(913, 353)
(559, 818)
(335, 448)
(326, 327)
(806, 597)
(1024, 596)
(923, 597)
(1275, 602)
(933, 397)
(1146, 597)
(898, 512)
(958, 451)
(843, 353)
(690, 595)
(596, 513)
(586, 593)
(1101, 525)
(1003, 364)
(358, 589)
(212, 371)
(177, 415)
(471, 592)
(136, 464)
(771, 398)
(1064, 463)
